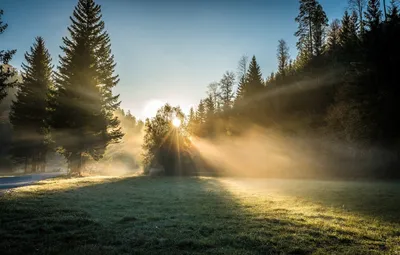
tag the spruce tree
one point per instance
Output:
(6, 72)
(226, 89)
(254, 80)
(373, 15)
(241, 74)
(83, 117)
(333, 37)
(348, 38)
(201, 113)
(283, 57)
(394, 14)
(358, 7)
(253, 104)
(191, 121)
(319, 25)
(29, 114)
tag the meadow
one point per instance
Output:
(200, 215)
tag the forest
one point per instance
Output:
(329, 112)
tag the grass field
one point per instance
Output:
(140, 215)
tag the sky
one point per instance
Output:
(167, 50)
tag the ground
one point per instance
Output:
(141, 215)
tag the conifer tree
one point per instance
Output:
(319, 25)
(6, 72)
(394, 15)
(305, 22)
(226, 89)
(358, 7)
(191, 121)
(254, 80)
(29, 114)
(83, 118)
(201, 113)
(254, 87)
(348, 38)
(283, 57)
(241, 74)
(373, 15)
(312, 21)
(333, 36)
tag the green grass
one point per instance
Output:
(142, 215)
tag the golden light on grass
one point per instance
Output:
(176, 122)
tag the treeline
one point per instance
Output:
(70, 110)
(341, 86)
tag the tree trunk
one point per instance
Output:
(26, 165)
(384, 9)
(33, 165)
(42, 162)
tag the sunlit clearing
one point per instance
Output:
(62, 184)
(176, 122)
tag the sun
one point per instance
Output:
(176, 122)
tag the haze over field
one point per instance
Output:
(199, 127)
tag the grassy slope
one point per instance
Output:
(200, 215)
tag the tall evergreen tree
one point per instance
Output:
(373, 15)
(283, 57)
(29, 114)
(254, 80)
(201, 113)
(215, 93)
(191, 121)
(394, 15)
(83, 118)
(348, 36)
(226, 89)
(305, 27)
(358, 6)
(210, 113)
(319, 25)
(333, 42)
(6, 72)
(241, 74)
(253, 104)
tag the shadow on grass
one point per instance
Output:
(161, 216)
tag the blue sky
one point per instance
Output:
(167, 50)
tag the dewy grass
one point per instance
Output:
(139, 215)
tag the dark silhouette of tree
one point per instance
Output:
(312, 21)
(201, 113)
(213, 90)
(29, 112)
(6, 72)
(348, 38)
(359, 6)
(165, 144)
(373, 15)
(333, 42)
(210, 116)
(320, 23)
(283, 57)
(305, 27)
(241, 74)
(227, 93)
(192, 123)
(83, 117)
